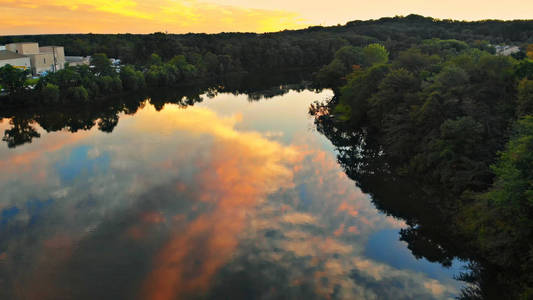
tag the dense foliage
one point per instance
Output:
(314, 46)
(435, 118)
(105, 114)
(84, 83)
(170, 59)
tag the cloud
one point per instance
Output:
(100, 16)
(198, 200)
(239, 173)
(299, 218)
(339, 11)
(211, 16)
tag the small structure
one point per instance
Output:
(506, 50)
(14, 59)
(74, 61)
(58, 54)
(42, 59)
(23, 48)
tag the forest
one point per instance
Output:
(449, 125)
(161, 59)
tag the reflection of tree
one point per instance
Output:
(425, 207)
(107, 123)
(105, 114)
(21, 133)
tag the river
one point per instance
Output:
(236, 196)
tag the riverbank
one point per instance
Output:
(449, 126)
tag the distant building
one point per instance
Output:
(14, 59)
(58, 54)
(115, 61)
(2, 48)
(42, 59)
(23, 48)
(74, 61)
(506, 50)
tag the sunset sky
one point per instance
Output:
(211, 16)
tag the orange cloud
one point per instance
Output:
(350, 209)
(242, 170)
(339, 231)
(181, 16)
(100, 16)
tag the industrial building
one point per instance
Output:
(75, 61)
(42, 59)
(14, 59)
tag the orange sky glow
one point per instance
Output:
(212, 16)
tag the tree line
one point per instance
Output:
(448, 125)
(160, 59)
(105, 115)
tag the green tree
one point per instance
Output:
(514, 180)
(78, 94)
(375, 54)
(102, 64)
(155, 59)
(131, 79)
(524, 69)
(211, 63)
(65, 78)
(50, 93)
(12, 79)
(347, 59)
(525, 98)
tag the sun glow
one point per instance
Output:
(212, 16)
(99, 16)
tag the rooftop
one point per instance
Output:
(23, 43)
(4, 54)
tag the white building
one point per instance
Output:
(42, 59)
(74, 61)
(506, 50)
(14, 59)
(58, 54)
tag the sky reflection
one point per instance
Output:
(226, 199)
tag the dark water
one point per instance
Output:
(234, 197)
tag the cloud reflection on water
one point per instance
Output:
(191, 206)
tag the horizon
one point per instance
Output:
(281, 30)
(31, 17)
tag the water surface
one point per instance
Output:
(235, 197)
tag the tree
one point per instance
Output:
(452, 76)
(65, 78)
(525, 98)
(211, 63)
(102, 64)
(20, 133)
(514, 180)
(529, 51)
(350, 56)
(524, 69)
(78, 93)
(155, 59)
(131, 79)
(50, 93)
(375, 54)
(13, 79)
